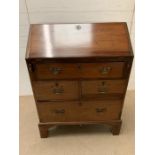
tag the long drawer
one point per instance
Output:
(73, 111)
(44, 71)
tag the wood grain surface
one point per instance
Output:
(78, 40)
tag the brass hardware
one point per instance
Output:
(105, 70)
(55, 70)
(98, 110)
(31, 67)
(102, 90)
(59, 111)
(58, 90)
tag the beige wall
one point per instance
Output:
(83, 11)
(131, 85)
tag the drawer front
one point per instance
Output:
(79, 70)
(100, 88)
(56, 71)
(102, 70)
(101, 110)
(56, 90)
(57, 111)
(72, 111)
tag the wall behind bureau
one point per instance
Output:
(71, 11)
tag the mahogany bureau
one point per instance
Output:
(79, 73)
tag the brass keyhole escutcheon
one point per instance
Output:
(55, 70)
(102, 89)
(105, 70)
(57, 88)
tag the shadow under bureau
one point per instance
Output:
(79, 73)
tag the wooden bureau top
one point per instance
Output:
(78, 40)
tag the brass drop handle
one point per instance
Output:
(58, 91)
(99, 110)
(55, 70)
(59, 111)
(105, 70)
(103, 89)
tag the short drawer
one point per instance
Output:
(57, 111)
(99, 88)
(102, 70)
(56, 90)
(56, 71)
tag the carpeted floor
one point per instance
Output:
(75, 140)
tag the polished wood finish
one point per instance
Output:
(45, 71)
(58, 111)
(56, 71)
(71, 111)
(56, 90)
(67, 40)
(101, 87)
(79, 73)
(102, 70)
